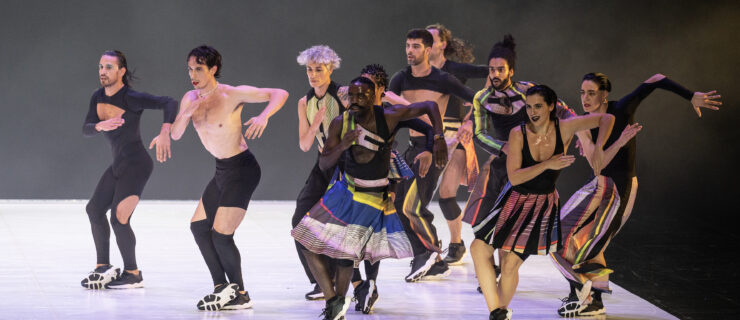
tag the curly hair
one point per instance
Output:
(378, 73)
(321, 54)
(457, 49)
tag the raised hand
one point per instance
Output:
(319, 116)
(708, 100)
(110, 124)
(559, 161)
(628, 133)
(349, 138)
(425, 161)
(256, 126)
(162, 142)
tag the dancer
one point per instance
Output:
(418, 82)
(596, 212)
(216, 113)
(316, 110)
(452, 55)
(366, 291)
(502, 103)
(355, 220)
(116, 109)
(525, 220)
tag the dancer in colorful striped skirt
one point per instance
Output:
(355, 220)
(366, 291)
(525, 219)
(596, 212)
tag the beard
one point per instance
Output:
(502, 83)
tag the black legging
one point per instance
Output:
(126, 177)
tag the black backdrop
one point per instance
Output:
(50, 51)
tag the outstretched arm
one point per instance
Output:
(248, 94)
(699, 100)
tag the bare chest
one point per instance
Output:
(108, 111)
(541, 147)
(213, 114)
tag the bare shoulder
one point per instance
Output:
(302, 101)
(190, 96)
(515, 133)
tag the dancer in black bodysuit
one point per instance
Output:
(116, 110)
(591, 217)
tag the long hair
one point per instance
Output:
(128, 77)
(457, 49)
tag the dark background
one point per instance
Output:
(677, 250)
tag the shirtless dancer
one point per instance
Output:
(216, 113)
(115, 110)
(418, 82)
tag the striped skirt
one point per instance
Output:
(523, 223)
(353, 225)
(589, 220)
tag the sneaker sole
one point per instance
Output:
(575, 312)
(247, 305)
(216, 301)
(126, 286)
(423, 270)
(593, 313)
(315, 298)
(97, 281)
(438, 276)
(457, 262)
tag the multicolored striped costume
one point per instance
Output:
(356, 219)
(585, 220)
(525, 218)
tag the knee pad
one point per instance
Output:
(450, 209)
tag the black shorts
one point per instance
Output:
(232, 185)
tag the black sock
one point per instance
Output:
(229, 256)
(100, 232)
(202, 233)
(371, 270)
(596, 295)
(356, 276)
(126, 241)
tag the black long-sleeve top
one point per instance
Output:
(133, 103)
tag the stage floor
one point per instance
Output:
(46, 249)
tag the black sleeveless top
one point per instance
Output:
(378, 167)
(544, 183)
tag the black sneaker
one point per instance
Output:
(455, 253)
(241, 301)
(439, 270)
(336, 308)
(500, 314)
(366, 294)
(222, 294)
(98, 278)
(595, 308)
(315, 294)
(127, 280)
(420, 265)
(575, 302)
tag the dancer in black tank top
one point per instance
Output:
(525, 219)
(369, 229)
(116, 111)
